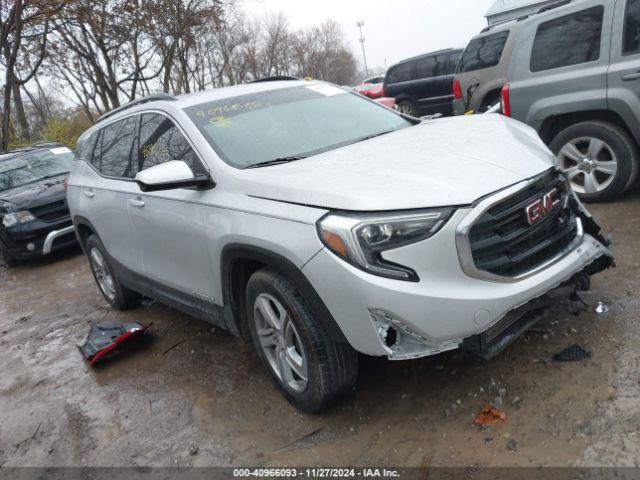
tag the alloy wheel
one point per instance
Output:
(590, 164)
(102, 273)
(405, 108)
(281, 343)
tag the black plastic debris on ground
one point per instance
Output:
(108, 337)
(575, 353)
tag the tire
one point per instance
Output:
(8, 259)
(407, 107)
(489, 101)
(331, 367)
(113, 291)
(613, 170)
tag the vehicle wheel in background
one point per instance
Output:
(600, 159)
(407, 108)
(489, 101)
(310, 367)
(118, 296)
(7, 258)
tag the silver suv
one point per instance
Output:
(320, 224)
(483, 67)
(575, 77)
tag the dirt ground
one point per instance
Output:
(209, 402)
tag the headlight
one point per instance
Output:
(360, 239)
(11, 219)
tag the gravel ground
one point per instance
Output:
(209, 402)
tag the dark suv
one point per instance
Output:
(33, 205)
(423, 85)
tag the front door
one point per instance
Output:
(169, 224)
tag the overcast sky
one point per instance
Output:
(393, 29)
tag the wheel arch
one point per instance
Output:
(240, 261)
(84, 229)
(554, 124)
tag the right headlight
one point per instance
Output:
(14, 218)
(360, 239)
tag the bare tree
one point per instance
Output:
(24, 31)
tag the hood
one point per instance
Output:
(446, 162)
(33, 195)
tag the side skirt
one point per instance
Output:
(184, 302)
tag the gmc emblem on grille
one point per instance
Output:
(542, 207)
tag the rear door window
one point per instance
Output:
(117, 159)
(425, 67)
(483, 52)
(631, 40)
(569, 40)
(401, 73)
(161, 141)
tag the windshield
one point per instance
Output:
(483, 52)
(28, 167)
(290, 123)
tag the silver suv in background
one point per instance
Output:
(319, 224)
(575, 78)
(483, 67)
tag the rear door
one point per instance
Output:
(561, 62)
(169, 224)
(623, 95)
(103, 195)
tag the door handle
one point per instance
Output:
(88, 193)
(631, 76)
(136, 203)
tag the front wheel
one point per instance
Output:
(599, 158)
(309, 366)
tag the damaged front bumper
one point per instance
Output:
(449, 309)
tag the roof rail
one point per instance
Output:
(276, 78)
(139, 101)
(554, 5)
(546, 8)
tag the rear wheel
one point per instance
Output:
(309, 366)
(407, 107)
(599, 158)
(114, 292)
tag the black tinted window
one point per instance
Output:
(161, 141)
(433, 66)
(117, 148)
(401, 73)
(568, 40)
(425, 67)
(631, 42)
(453, 61)
(483, 52)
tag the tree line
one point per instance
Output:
(99, 54)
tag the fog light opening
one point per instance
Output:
(31, 246)
(391, 337)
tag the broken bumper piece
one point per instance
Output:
(402, 343)
(108, 337)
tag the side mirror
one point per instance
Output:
(170, 175)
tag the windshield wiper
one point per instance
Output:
(276, 161)
(369, 137)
